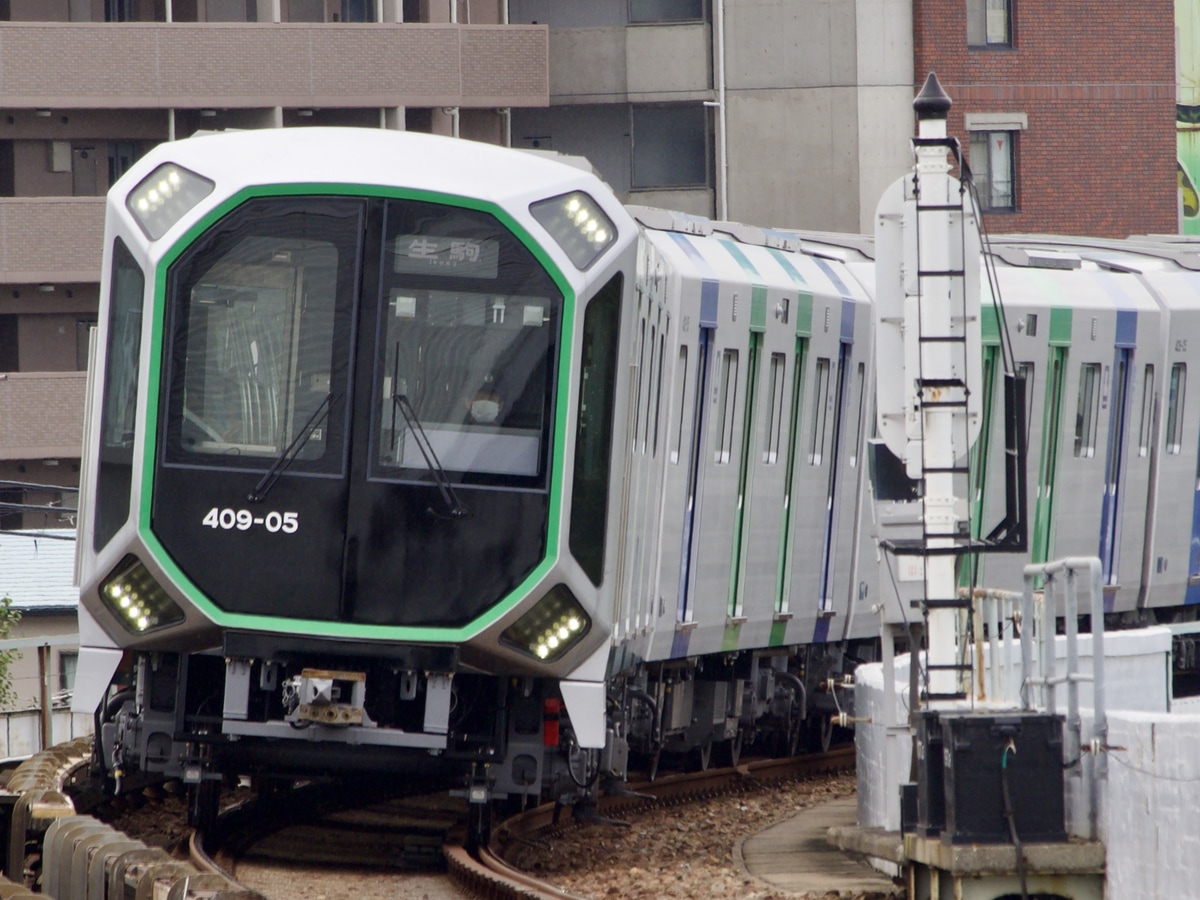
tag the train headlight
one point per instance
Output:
(164, 196)
(577, 225)
(554, 625)
(137, 601)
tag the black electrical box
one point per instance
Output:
(931, 796)
(983, 752)
(908, 807)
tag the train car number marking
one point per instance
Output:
(244, 520)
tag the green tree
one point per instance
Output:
(9, 618)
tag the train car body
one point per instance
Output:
(379, 461)
(448, 460)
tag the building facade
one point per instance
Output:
(786, 113)
(145, 71)
(789, 114)
(1066, 110)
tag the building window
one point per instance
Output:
(68, 662)
(1087, 413)
(121, 157)
(119, 11)
(992, 167)
(666, 10)
(989, 23)
(670, 146)
(358, 11)
(83, 337)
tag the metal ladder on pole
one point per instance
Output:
(943, 347)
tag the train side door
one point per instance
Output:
(1043, 512)
(790, 499)
(697, 448)
(827, 441)
(1110, 511)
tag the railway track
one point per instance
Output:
(60, 853)
(487, 874)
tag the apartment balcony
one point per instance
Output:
(52, 240)
(41, 415)
(54, 66)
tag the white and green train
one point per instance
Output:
(406, 452)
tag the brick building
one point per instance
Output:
(1067, 109)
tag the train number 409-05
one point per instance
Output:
(244, 520)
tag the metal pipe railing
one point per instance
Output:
(1065, 576)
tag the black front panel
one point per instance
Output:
(257, 386)
(358, 411)
(412, 565)
(449, 512)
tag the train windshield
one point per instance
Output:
(262, 334)
(467, 342)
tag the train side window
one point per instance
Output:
(662, 359)
(593, 436)
(860, 393)
(1086, 413)
(1174, 439)
(725, 404)
(680, 402)
(651, 374)
(637, 397)
(776, 373)
(820, 411)
(1146, 419)
(1026, 370)
(118, 415)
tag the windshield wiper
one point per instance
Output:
(456, 508)
(259, 494)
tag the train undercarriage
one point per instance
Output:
(294, 713)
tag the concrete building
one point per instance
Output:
(788, 114)
(796, 113)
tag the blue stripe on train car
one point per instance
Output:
(1192, 596)
(847, 321)
(821, 631)
(833, 276)
(709, 286)
(708, 304)
(1126, 328)
(679, 644)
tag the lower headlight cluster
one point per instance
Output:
(137, 600)
(555, 624)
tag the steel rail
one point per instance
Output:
(487, 875)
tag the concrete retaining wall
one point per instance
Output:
(1152, 830)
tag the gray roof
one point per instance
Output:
(37, 569)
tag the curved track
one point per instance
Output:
(486, 874)
(405, 832)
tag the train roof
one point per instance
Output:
(358, 156)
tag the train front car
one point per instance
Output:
(349, 457)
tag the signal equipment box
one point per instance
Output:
(980, 754)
